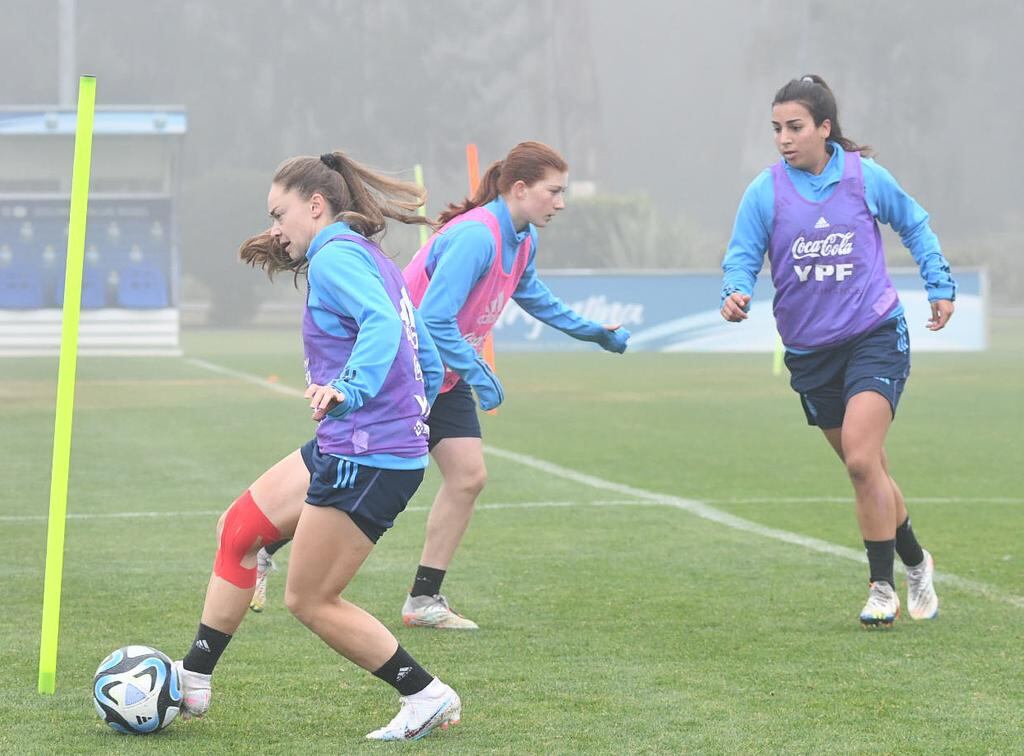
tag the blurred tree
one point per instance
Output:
(609, 231)
(665, 100)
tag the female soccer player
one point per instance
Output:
(461, 280)
(461, 284)
(372, 371)
(816, 212)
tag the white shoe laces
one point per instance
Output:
(443, 602)
(918, 587)
(264, 562)
(414, 712)
(880, 597)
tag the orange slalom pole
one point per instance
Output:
(473, 167)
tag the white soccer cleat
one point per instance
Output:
(195, 692)
(264, 566)
(883, 606)
(435, 706)
(922, 602)
(433, 611)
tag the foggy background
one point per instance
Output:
(663, 106)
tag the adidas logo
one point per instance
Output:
(493, 310)
(822, 223)
(203, 646)
(402, 672)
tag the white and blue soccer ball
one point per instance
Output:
(136, 690)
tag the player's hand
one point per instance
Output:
(322, 399)
(486, 386)
(942, 311)
(614, 338)
(734, 309)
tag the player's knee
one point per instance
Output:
(862, 467)
(241, 532)
(472, 480)
(302, 605)
(296, 603)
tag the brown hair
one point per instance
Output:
(264, 252)
(526, 162)
(357, 195)
(813, 93)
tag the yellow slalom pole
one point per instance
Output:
(66, 385)
(424, 234)
(777, 358)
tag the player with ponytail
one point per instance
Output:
(461, 280)
(816, 213)
(371, 373)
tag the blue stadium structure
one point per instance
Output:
(130, 276)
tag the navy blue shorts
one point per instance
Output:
(372, 496)
(453, 415)
(878, 360)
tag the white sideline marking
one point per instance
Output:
(245, 377)
(702, 510)
(644, 498)
(111, 515)
(849, 500)
(218, 512)
(698, 508)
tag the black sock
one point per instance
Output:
(881, 557)
(428, 582)
(206, 650)
(907, 546)
(272, 548)
(403, 674)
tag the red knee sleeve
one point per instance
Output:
(245, 522)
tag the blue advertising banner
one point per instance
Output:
(678, 312)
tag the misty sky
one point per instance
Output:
(665, 99)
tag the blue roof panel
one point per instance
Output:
(23, 122)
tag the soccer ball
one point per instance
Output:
(136, 690)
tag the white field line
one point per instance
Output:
(697, 508)
(112, 515)
(218, 512)
(649, 499)
(291, 391)
(702, 510)
(244, 377)
(849, 500)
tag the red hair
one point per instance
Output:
(526, 162)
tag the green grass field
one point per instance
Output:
(614, 619)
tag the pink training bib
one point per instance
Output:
(487, 299)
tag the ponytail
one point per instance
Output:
(486, 191)
(375, 197)
(264, 252)
(357, 195)
(526, 162)
(813, 93)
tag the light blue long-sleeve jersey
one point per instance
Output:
(462, 256)
(346, 280)
(886, 200)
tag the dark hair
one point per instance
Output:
(357, 195)
(526, 162)
(813, 93)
